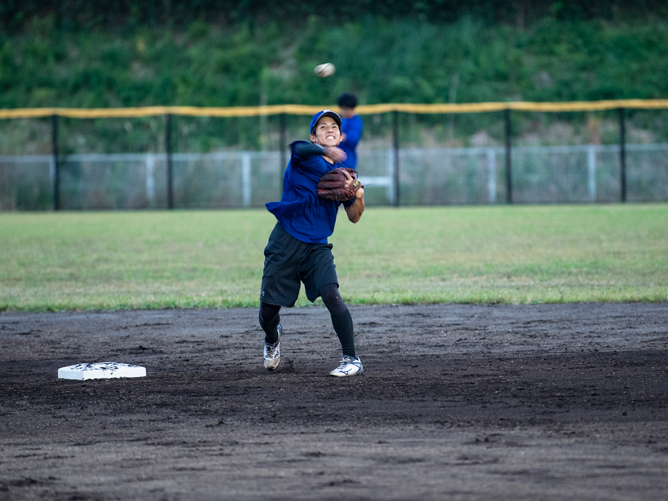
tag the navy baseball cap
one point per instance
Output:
(325, 113)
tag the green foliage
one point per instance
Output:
(530, 254)
(76, 15)
(381, 60)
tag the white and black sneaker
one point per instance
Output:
(272, 352)
(350, 366)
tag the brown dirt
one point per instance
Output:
(457, 402)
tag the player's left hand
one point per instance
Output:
(349, 180)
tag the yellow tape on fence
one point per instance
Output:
(297, 109)
(515, 105)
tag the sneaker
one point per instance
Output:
(350, 366)
(272, 352)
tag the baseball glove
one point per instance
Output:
(332, 185)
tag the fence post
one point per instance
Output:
(591, 172)
(283, 146)
(168, 152)
(391, 190)
(491, 176)
(56, 163)
(395, 135)
(622, 153)
(150, 179)
(246, 179)
(509, 163)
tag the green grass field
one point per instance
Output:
(502, 254)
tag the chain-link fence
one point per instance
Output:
(412, 155)
(437, 176)
(26, 182)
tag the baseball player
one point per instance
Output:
(298, 251)
(352, 128)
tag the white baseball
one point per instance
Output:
(324, 70)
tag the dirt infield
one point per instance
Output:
(457, 402)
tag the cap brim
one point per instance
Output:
(331, 114)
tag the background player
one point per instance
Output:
(352, 128)
(298, 250)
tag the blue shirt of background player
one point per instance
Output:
(352, 128)
(301, 212)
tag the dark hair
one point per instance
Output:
(347, 100)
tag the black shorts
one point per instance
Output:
(288, 262)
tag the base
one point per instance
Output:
(101, 370)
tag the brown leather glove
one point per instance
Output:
(332, 185)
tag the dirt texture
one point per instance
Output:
(457, 402)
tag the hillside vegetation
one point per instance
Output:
(381, 60)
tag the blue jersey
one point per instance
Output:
(352, 128)
(301, 212)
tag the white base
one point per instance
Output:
(101, 370)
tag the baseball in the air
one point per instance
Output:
(324, 70)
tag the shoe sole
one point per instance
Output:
(347, 375)
(270, 366)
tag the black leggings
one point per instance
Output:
(332, 299)
(269, 319)
(341, 319)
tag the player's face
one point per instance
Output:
(327, 132)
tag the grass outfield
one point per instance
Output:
(500, 254)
